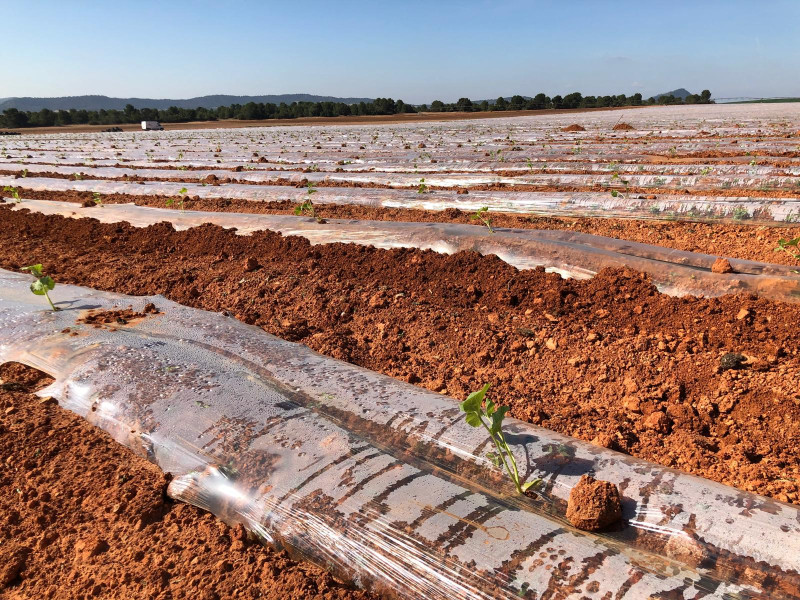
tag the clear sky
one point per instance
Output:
(409, 49)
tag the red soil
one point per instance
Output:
(736, 241)
(608, 359)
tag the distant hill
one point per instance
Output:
(679, 93)
(107, 103)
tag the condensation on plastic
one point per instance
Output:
(570, 254)
(381, 481)
(586, 204)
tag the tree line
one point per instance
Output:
(13, 118)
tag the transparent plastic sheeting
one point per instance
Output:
(381, 481)
(585, 204)
(570, 254)
(474, 171)
(605, 179)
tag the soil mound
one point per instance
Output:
(594, 505)
(623, 127)
(574, 127)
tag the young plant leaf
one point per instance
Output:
(35, 270)
(529, 484)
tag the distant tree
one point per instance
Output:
(484, 105)
(705, 97)
(501, 104)
(558, 101)
(437, 106)
(63, 117)
(517, 102)
(636, 99)
(572, 100)
(540, 101)
(464, 105)
(14, 118)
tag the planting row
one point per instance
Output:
(568, 253)
(381, 481)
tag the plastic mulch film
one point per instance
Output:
(600, 177)
(378, 480)
(569, 253)
(584, 204)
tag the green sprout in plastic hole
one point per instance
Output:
(182, 196)
(740, 214)
(307, 206)
(14, 193)
(482, 215)
(490, 416)
(43, 284)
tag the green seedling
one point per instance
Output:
(422, 189)
(97, 199)
(740, 214)
(14, 193)
(43, 284)
(791, 247)
(307, 207)
(705, 171)
(180, 200)
(24, 173)
(490, 416)
(482, 215)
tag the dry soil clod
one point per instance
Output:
(594, 504)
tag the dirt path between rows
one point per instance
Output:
(709, 386)
(747, 242)
(83, 517)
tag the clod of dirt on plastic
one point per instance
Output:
(721, 266)
(594, 505)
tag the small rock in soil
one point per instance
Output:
(657, 421)
(594, 504)
(251, 264)
(721, 265)
(86, 549)
(731, 360)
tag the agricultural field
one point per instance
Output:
(288, 328)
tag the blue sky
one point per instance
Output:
(417, 51)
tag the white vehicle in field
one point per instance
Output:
(152, 126)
